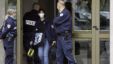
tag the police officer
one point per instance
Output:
(8, 34)
(63, 28)
(30, 22)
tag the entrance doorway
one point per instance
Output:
(24, 6)
(90, 29)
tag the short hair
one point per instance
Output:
(10, 11)
(62, 2)
(43, 11)
(35, 3)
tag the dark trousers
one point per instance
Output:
(64, 48)
(9, 51)
(26, 42)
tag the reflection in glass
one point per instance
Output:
(104, 52)
(82, 15)
(83, 52)
(104, 14)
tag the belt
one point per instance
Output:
(64, 33)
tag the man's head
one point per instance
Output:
(36, 6)
(60, 5)
(11, 12)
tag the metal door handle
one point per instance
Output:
(95, 27)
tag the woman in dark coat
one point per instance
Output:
(43, 48)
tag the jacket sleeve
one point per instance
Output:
(6, 28)
(53, 33)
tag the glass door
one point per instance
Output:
(83, 38)
(91, 31)
(103, 35)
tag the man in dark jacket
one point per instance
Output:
(63, 28)
(30, 22)
(8, 34)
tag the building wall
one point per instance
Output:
(2, 15)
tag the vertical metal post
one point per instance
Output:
(19, 33)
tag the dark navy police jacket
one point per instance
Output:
(8, 29)
(63, 22)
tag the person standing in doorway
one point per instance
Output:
(45, 28)
(63, 29)
(8, 34)
(30, 20)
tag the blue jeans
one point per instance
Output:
(43, 52)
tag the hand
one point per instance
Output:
(53, 43)
(31, 42)
(52, 26)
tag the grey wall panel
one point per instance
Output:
(2, 16)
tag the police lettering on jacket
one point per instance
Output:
(30, 21)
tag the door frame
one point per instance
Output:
(19, 33)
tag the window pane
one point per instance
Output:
(104, 14)
(82, 12)
(83, 52)
(104, 52)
